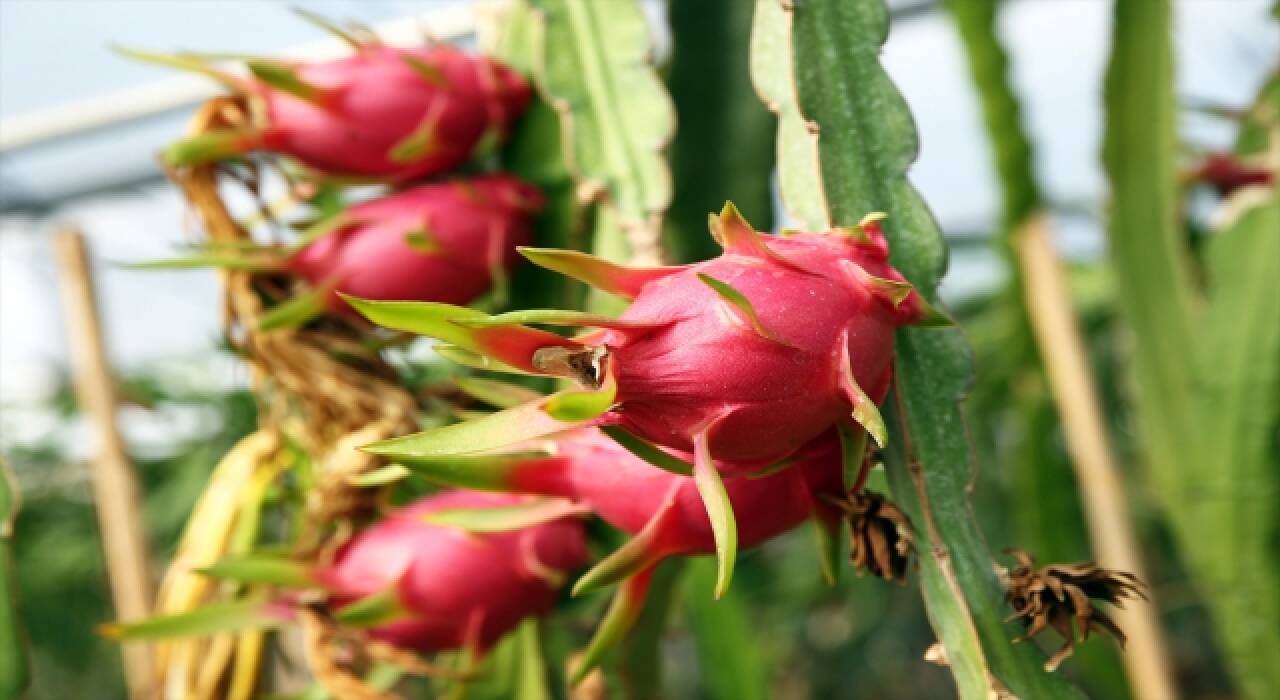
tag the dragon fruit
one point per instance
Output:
(739, 360)
(447, 241)
(661, 509)
(444, 241)
(1227, 173)
(438, 587)
(383, 112)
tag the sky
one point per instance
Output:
(56, 51)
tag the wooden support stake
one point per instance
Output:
(115, 484)
(1106, 507)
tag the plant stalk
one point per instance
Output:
(1102, 491)
(115, 484)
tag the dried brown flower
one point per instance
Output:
(882, 541)
(1061, 596)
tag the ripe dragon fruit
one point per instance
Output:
(383, 112)
(444, 241)
(447, 242)
(661, 509)
(423, 578)
(740, 359)
(435, 587)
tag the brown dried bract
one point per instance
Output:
(882, 540)
(1061, 596)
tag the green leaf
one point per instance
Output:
(380, 476)
(212, 145)
(741, 305)
(261, 569)
(506, 518)
(466, 358)
(372, 610)
(229, 262)
(298, 311)
(626, 282)
(419, 143)
(865, 411)
(853, 451)
(723, 147)
(649, 453)
(513, 345)
(864, 140)
(429, 73)
(830, 547)
(214, 618)
(496, 393)
(639, 553)
(715, 498)
(186, 62)
(556, 317)
(284, 77)
(580, 406)
(628, 602)
(496, 430)
(485, 473)
(333, 28)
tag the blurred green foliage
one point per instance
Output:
(188, 426)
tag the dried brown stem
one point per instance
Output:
(115, 484)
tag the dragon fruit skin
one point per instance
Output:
(629, 493)
(464, 228)
(387, 113)
(456, 588)
(375, 99)
(691, 364)
(702, 368)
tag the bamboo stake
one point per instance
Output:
(115, 486)
(1106, 507)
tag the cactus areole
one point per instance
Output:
(395, 113)
(448, 241)
(431, 587)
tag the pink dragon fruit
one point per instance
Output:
(447, 241)
(745, 357)
(443, 241)
(450, 588)
(742, 359)
(427, 577)
(397, 113)
(662, 509)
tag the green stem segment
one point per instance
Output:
(862, 133)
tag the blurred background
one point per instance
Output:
(79, 129)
